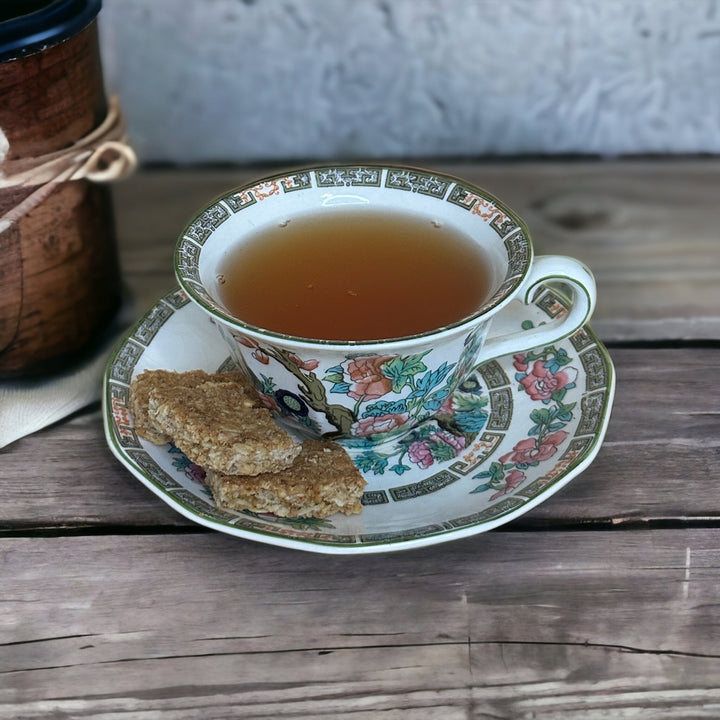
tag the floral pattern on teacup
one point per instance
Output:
(389, 389)
(443, 437)
(546, 377)
(375, 393)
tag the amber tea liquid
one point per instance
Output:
(362, 275)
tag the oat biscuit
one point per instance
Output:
(322, 480)
(220, 427)
(148, 380)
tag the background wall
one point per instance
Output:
(240, 81)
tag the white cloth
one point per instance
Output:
(27, 406)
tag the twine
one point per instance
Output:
(102, 155)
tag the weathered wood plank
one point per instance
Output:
(660, 459)
(491, 682)
(543, 624)
(648, 230)
(547, 625)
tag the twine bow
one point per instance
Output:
(102, 155)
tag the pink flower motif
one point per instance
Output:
(541, 384)
(455, 441)
(247, 341)
(420, 454)
(303, 364)
(520, 362)
(365, 373)
(261, 357)
(512, 480)
(530, 451)
(379, 424)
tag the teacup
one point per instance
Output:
(375, 388)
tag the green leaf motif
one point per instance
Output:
(471, 422)
(442, 451)
(495, 472)
(561, 357)
(498, 472)
(400, 370)
(334, 377)
(268, 385)
(383, 407)
(399, 468)
(469, 403)
(371, 462)
(541, 416)
(431, 380)
(482, 488)
(342, 388)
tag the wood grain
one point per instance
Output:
(64, 285)
(600, 603)
(199, 626)
(659, 460)
(647, 229)
(51, 97)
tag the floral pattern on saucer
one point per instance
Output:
(546, 377)
(517, 430)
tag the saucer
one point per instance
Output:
(518, 429)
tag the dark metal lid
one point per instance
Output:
(28, 26)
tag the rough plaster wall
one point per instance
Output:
(243, 80)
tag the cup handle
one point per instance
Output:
(556, 269)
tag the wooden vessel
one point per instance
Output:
(59, 276)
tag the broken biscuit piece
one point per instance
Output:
(149, 380)
(251, 463)
(220, 427)
(322, 480)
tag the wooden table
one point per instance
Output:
(603, 602)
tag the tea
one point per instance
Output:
(361, 275)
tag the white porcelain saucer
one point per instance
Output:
(519, 429)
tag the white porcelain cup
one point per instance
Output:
(358, 389)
